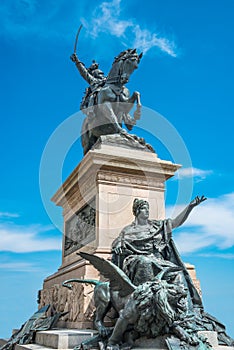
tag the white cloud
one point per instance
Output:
(193, 172)
(145, 40)
(227, 256)
(32, 18)
(7, 215)
(21, 239)
(189, 242)
(19, 267)
(107, 18)
(209, 225)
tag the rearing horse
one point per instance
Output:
(108, 103)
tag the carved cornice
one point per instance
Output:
(114, 165)
(130, 180)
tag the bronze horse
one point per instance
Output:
(108, 105)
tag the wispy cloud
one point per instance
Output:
(7, 215)
(35, 19)
(227, 256)
(145, 40)
(21, 239)
(19, 267)
(196, 173)
(209, 225)
(107, 18)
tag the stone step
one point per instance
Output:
(63, 338)
(31, 347)
(25, 347)
(56, 339)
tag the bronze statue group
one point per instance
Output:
(148, 285)
(149, 288)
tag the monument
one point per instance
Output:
(135, 267)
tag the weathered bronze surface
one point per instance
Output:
(150, 288)
(146, 246)
(107, 101)
(26, 334)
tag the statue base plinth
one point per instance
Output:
(97, 203)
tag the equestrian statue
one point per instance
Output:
(107, 101)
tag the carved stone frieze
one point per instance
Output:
(76, 303)
(126, 179)
(80, 229)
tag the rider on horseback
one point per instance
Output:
(94, 77)
(107, 101)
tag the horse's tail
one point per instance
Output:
(79, 280)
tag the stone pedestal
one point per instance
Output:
(106, 182)
(97, 203)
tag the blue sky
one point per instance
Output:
(186, 77)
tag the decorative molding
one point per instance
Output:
(126, 179)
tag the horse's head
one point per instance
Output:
(124, 65)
